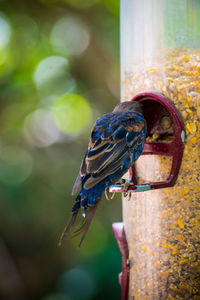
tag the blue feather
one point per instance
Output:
(116, 142)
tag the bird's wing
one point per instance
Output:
(76, 184)
(78, 178)
(111, 140)
(102, 123)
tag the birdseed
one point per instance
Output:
(162, 226)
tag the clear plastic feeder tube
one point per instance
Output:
(160, 53)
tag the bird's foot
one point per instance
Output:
(126, 183)
(108, 197)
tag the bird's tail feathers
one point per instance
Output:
(83, 229)
(72, 219)
(69, 225)
(85, 224)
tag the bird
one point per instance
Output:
(117, 140)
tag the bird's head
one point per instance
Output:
(128, 106)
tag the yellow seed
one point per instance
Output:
(179, 96)
(186, 58)
(187, 105)
(184, 114)
(185, 191)
(191, 127)
(194, 140)
(155, 136)
(197, 188)
(167, 191)
(192, 290)
(182, 286)
(144, 248)
(176, 68)
(180, 224)
(183, 261)
(174, 252)
(171, 297)
(191, 113)
(196, 264)
(189, 199)
(153, 70)
(196, 221)
(188, 128)
(173, 288)
(179, 237)
(188, 73)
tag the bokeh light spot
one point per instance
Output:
(70, 36)
(71, 113)
(15, 165)
(40, 130)
(78, 283)
(26, 31)
(50, 67)
(5, 32)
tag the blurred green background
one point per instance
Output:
(59, 71)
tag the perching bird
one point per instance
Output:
(116, 141)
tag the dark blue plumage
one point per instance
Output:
(116, 142)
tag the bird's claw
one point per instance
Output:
(108, 197)
(126, 183)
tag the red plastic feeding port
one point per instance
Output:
(155, 107)
(120, 236)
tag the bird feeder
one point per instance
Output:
(160, 67)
